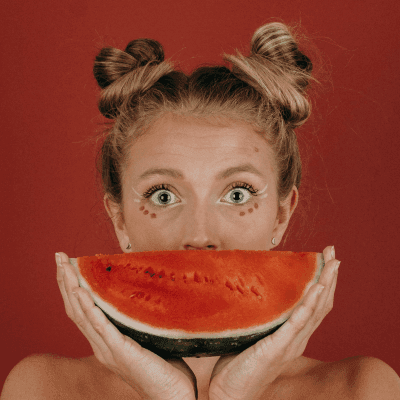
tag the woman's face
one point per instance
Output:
(198, 207)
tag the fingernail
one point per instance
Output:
(333, 251)
(58, 259)
(337, 266)
(320, 289)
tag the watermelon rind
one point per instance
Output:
(174, 344)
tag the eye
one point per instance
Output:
(161, 195)
(236, 195)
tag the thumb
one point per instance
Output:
(182, 366)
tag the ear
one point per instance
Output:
(285, 212)
(115, 213)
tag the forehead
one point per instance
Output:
(188, 143)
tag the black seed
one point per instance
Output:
(160, 276)
(108, 268)
(152, 275)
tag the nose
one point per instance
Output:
(200, 229)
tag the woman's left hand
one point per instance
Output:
(248, 375)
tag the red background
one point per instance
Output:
(50, 202)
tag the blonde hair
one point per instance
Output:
(265, 89)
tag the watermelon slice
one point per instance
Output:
(198, 303)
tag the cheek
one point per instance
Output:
(248, 211)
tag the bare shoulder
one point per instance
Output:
(372, 378)
(25, 380)
(40, 376)
(49, 376)
(353, 378)
(356, 378)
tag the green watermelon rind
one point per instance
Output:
(173, 344)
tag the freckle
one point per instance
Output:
(255, 148)
(242, 213)
(250, 210)
(256, 205)
(141, 208)
(153, 215)
(145, 212)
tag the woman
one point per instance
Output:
(205, 162)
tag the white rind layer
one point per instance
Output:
(180, 334)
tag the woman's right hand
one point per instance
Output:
(149, 375)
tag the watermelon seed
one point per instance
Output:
(240, 289)
(108, 268)
(256, 292)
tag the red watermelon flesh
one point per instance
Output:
(191, 294)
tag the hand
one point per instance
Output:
(149, 375)
(248, 375)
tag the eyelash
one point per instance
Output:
(235, 185)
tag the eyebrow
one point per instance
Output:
(222, 175)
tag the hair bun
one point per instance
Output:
(111, 63)
(275, 42)
(145, 51)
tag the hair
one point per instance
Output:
(266, 89)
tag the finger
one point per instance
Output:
(96, 318)
(293, 336)
(326, 276)
(67, 284)
(320, 310)
(290, 330)
(329, 303)
(126, 354)
(181, 365)
(112, 343)
(327, 299)
(324, 306)
(329, 253)
(61, 285)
